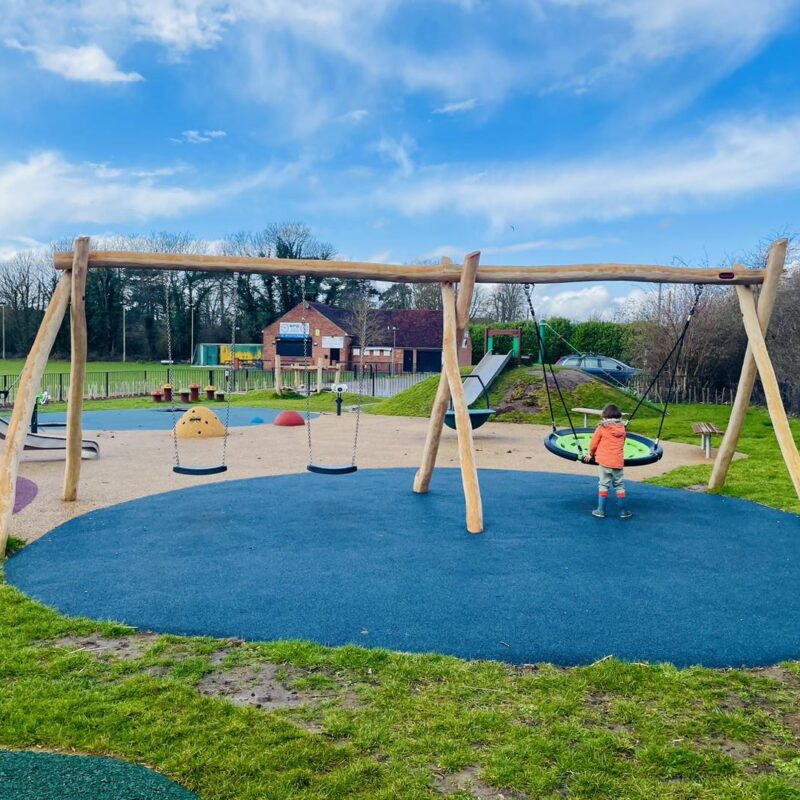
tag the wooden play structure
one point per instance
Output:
(71, 287)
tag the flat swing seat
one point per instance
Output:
(332, 469)
(639, 450)
(477, 416)
(200, 470)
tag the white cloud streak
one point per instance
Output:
(458, 107)
(88, 64)
(729, 160)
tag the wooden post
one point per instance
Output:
(319, 375)
(422, 479)
(278, 376)
(466, 450)
(26, 399)
(77, 370)
(747, 378)
(766, 372)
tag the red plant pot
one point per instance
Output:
(194, 392)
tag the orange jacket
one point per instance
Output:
(608, 444)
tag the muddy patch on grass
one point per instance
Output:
(529, 396)
(128, 648)
(467, 781)
(258, 687)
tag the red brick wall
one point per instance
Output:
(319, 326)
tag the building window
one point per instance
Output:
(387, 352)
(356, 351)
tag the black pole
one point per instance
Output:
(339, 402)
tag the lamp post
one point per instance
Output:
(393, 329)
(124, 331)
(4, 331)
(191, 339)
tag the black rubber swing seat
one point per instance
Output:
(477, 416)
(639, 450)
(200, 470)
(331, 469)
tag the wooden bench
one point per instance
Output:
(705, 430)
(597, 412)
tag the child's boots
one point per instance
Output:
(623, 506)
(600, 511)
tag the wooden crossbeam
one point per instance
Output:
(422, 273)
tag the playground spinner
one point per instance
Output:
(70, 291)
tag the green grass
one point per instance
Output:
(761, 477)
(611, 730)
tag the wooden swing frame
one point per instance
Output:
(70, 291)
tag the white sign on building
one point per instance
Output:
(293, 330)
(332, 342)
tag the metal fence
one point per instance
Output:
(141, 383)
(689, 390)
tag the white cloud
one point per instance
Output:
(577, 243)
(89, 63)
(398, 151)
(355, 116)
(198, 137)
(457, 108)
(730, 159)
(381, 257)
(594, 301)
(46, 191)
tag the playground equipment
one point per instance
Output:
(476, 384)
(516, 343)
(330, 469)
(185, 424)
(573, 443)
(288, 419)
(71, 288)
(199, 423)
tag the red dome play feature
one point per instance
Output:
(288, 419)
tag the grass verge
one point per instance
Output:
(379, 725)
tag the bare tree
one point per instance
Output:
(506, 302)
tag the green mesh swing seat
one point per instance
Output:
(573, 443)
(639, 450)
(477, 416)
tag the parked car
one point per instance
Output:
(606, 369)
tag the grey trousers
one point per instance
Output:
(611, 477)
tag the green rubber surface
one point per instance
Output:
(633, 449)
(50, 776)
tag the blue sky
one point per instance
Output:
(539, 131)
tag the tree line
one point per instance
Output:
(203, 304)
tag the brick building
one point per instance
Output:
(412, 339)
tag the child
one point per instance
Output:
(607, 448)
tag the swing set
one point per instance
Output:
(567, 443)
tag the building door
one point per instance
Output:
(408, 360)
(336, 354)
(429, 360)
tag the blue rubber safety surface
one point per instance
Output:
(691, 579)
(155, 419)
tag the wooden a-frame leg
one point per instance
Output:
(422, 479)
(79, 345)
(747, 379)
(26, 400)
(466, 449)
(766, 372)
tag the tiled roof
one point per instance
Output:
(415, 327)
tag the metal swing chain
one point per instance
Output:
(698, 291)
(358, 407)
(306, 364)
(229, 373)
(169, 374)
(528, 288)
